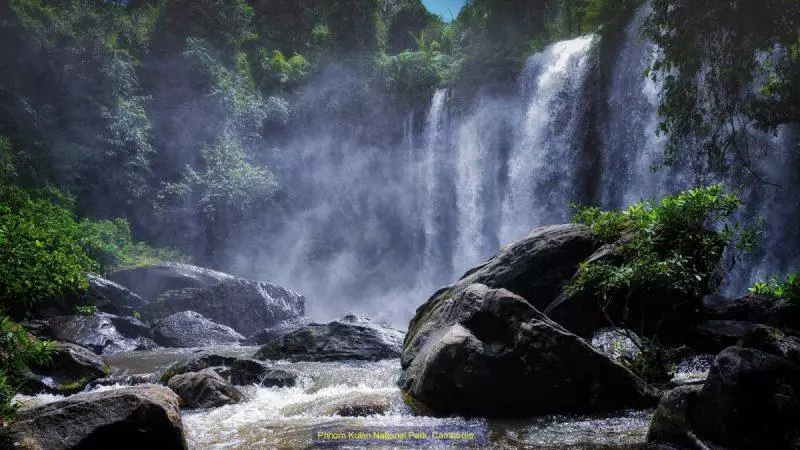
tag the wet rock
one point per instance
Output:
(713, 336)
(350, 405)
(151, 281)
(123, 380)
(773, 341)
(133, 418)
(671, 423)
(491, 353)
(283, 328)
(72, 367)
(190, 329)
(245, 372)
(244, 305)
(756, 309)
(751, 399)
(617, 343)
(105, 334)
(350, 337)
(204, 389)
(196, 363)
(114, 298)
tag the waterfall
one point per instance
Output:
(542, 180)
(435, 145)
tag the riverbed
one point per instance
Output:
(290, 418)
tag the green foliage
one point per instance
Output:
(672, 246)
(709, 63)
(655, 363)
(788, 288)
(40, 251)
(85, 310)
(411, 77)
(18, 350)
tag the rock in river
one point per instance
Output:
(204, 389)
(283, 328)
(153, 280)
(190, 329)
(141, 417)
(488, 352)
(244, 305)
(350, 337)
(72, 367)
(105, 334)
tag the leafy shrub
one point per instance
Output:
(775, 287)
(109, 243)
(17, 351)
(40, 251)
(667, 252)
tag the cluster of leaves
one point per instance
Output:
(18, 350)
(724, 79)
(673, 246)
(788, 288)
(85, 310)
(654, 363)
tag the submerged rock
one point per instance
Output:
(141, 417)
(151, 281)
(204, 389)
(72, 367)
(349, 405)
(105, 334)
(488, 352)
(121, 380)
(350, 337)
(190, 329)
(244, 305)
(197, 363)
(283, 328)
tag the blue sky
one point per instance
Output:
(440, 7)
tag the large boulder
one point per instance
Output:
(751, 399)
(283, 328)
(350, 337)
(126, 419)
(114, 298)
(244, 305)
(151, 281)
(204, 389)
(105, 334)
(488, 352)
(190, 329)
(71, 368)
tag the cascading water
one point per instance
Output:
(434, 146)
(542, 176)
(630, 145)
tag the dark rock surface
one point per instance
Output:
(283, 328)
(112, 297)
(204, 389)
(202, 360)
(141, 417)
(151, 281)
(350, 337)
(751, 399)
(72, 367)
(249, 371)
(244, 305)
(190, 329)
(773, 341)
(105, 334)
(488, 352)
(757, 309)
(671, 421)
